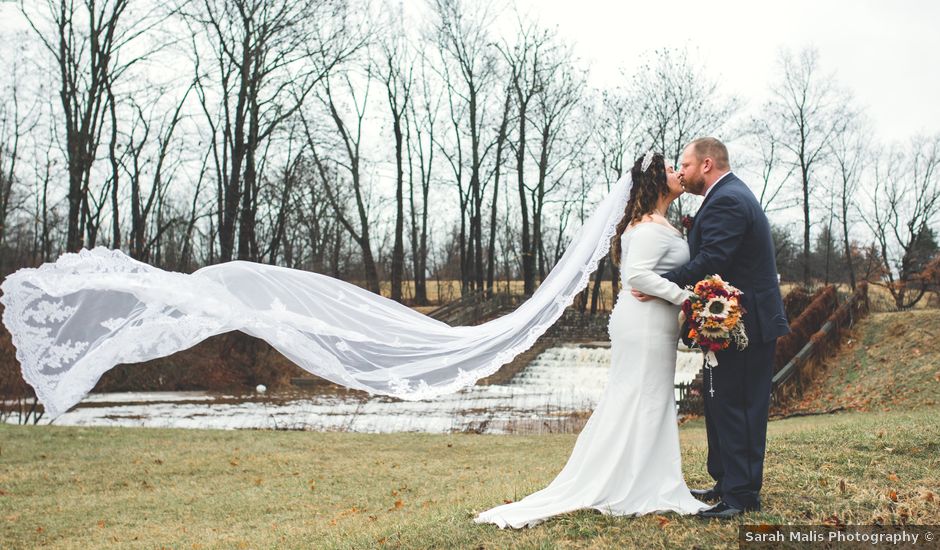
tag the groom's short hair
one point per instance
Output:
(711, 147)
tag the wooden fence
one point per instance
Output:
(800, 371)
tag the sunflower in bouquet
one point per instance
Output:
(714, 315)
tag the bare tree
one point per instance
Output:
(468, 69)
(86, 40)
(806, 113)
(774, 170)
(148, 160)
(420, 143)
(349, 134)
(851, 155)
(502, 144)
(196, 212)
(314, 214)
(679, 102)
(904, 205)
(523, 60)
(560, 88)
(45, 215)
(256, 63)
(395, 67)
(16, 122)
(618, 133)
(279, 193)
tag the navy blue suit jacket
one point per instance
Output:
(731, 237)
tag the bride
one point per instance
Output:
(74, 319)
(626, 460)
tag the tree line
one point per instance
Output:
(391, 146)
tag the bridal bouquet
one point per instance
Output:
(714, 317)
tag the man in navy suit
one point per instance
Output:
(730, 237)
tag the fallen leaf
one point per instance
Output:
(893, 495)
(893, 477)
(101, 523)
(833, 521)
(663, 522)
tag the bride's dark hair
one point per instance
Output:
(648, 187)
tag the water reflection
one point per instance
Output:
(555, 393)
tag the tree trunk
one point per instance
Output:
(398, 251)
(598, 279)
(528, 255)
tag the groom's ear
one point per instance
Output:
(707, 165)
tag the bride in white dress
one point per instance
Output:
(73, 320)
(626, 460)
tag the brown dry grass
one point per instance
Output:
(147, 488)
(889, 361)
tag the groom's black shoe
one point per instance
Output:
(706, 495)
(720, 511)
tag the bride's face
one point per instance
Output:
(673, 183)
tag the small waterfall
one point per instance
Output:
(554, 393)
(688, 364)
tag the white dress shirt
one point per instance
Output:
(712, 186)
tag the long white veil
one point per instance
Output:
(76, 318)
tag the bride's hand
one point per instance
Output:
(640, 296)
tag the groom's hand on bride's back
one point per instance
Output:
(640, 296)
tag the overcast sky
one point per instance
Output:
(886, 53)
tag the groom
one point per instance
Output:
(730, 237)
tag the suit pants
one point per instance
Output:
(736, 422)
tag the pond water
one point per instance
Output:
(554, 393)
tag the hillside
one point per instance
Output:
(889, 361)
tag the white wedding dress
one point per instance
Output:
(626, 460)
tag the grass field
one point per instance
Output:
(877, 462)
(148, 488)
